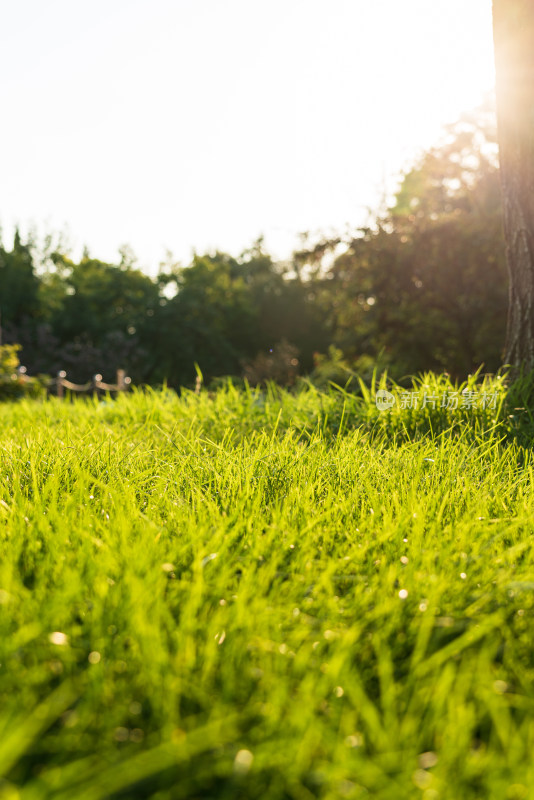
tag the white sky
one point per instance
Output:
(199, 124)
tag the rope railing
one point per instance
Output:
(96, 384)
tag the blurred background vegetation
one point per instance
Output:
(423, 287)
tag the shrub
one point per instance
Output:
(14, 383)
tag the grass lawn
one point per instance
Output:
(266, 595)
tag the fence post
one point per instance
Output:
(59, 383)
(121, 380)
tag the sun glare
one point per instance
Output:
(296, 112)
(442, 60)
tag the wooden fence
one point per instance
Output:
(96, 384)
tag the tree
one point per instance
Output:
(426, 286)
(513, 28)
(19, 284)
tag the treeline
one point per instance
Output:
(423, 287)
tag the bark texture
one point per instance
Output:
(513, 31)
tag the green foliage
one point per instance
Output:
(265, 594)
(9, 360)
(13, 383)
(19, 284)
(334, 369)
(331, 368)
(280, 365)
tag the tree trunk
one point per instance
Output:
(513, 32)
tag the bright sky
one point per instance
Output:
(202, 124)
